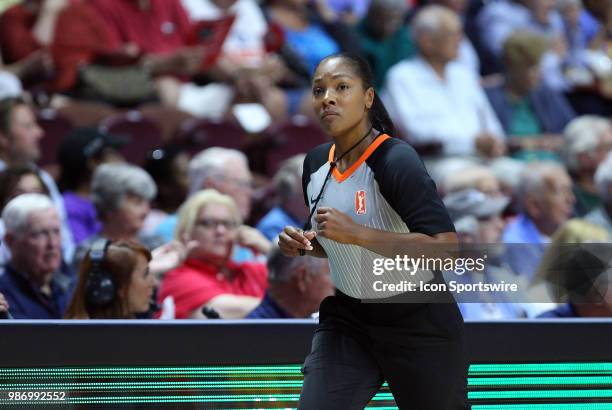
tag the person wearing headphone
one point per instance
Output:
(115, 282)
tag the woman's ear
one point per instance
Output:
(369, 97)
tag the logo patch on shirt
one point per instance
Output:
(360, 202)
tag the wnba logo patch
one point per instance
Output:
(360, 202)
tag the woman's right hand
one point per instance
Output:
(292, 240)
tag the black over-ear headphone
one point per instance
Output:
(100, 287)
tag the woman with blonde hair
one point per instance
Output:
(573, 232)
(571, 271)
(209, 278)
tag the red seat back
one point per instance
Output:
(198, 134)
(55, 126)
(294, 136)
(144, 134)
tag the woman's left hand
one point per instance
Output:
(335, 225)
(251, 238)
(170, 256)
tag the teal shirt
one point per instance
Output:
(383, 54)
(524, 122)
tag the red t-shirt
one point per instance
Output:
(16, 36)
(161, 29)
(195, 283)
(80, 37)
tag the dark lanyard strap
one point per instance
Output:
(308, 225)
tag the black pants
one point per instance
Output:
(417, 348)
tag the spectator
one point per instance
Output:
(476, 177)
(546, 201)
(583, 276)
(32, 282)
(312, 33)
(296, 287)
(14, 181)
(243, 61)
(350, 11)
(121, 194)
(580, 29)
(602, 215)
(26, 29)
(499, 19)
(157, 32)
(588, 139)
(433, 99)
(508, 172)
(4, 308)
(467, 53)
(227, 171)
(18, 180)
(79, 154)
(291, 209)
(244, 45)
(477, 219)
(532, 114)
(384, 38)
(20, 137)
(126, 265)
(574, 231)
(209, 278)
(168, 166)
(28, 26)
(167, 43)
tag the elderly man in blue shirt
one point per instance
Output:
(547, 201)
(32, 282)
(296, 287)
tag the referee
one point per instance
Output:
(370, 195)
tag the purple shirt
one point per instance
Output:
(358, 7)
(81, 215)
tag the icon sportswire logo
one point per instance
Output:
(360, 202)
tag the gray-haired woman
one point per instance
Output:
(122, 194)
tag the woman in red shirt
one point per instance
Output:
(209, 278)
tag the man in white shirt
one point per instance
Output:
(432, 98)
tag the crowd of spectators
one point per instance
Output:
(507, 101)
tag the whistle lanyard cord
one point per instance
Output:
(332, 165)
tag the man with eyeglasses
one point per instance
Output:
(32, 284)
(226, 171)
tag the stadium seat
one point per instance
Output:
(144, 134)
(290, 137)
(86, 113)
(55, 126)
(198, 134)
(168, 119)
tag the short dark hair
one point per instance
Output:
(7, 106)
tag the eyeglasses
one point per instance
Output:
(215, 223)
(244, 184)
